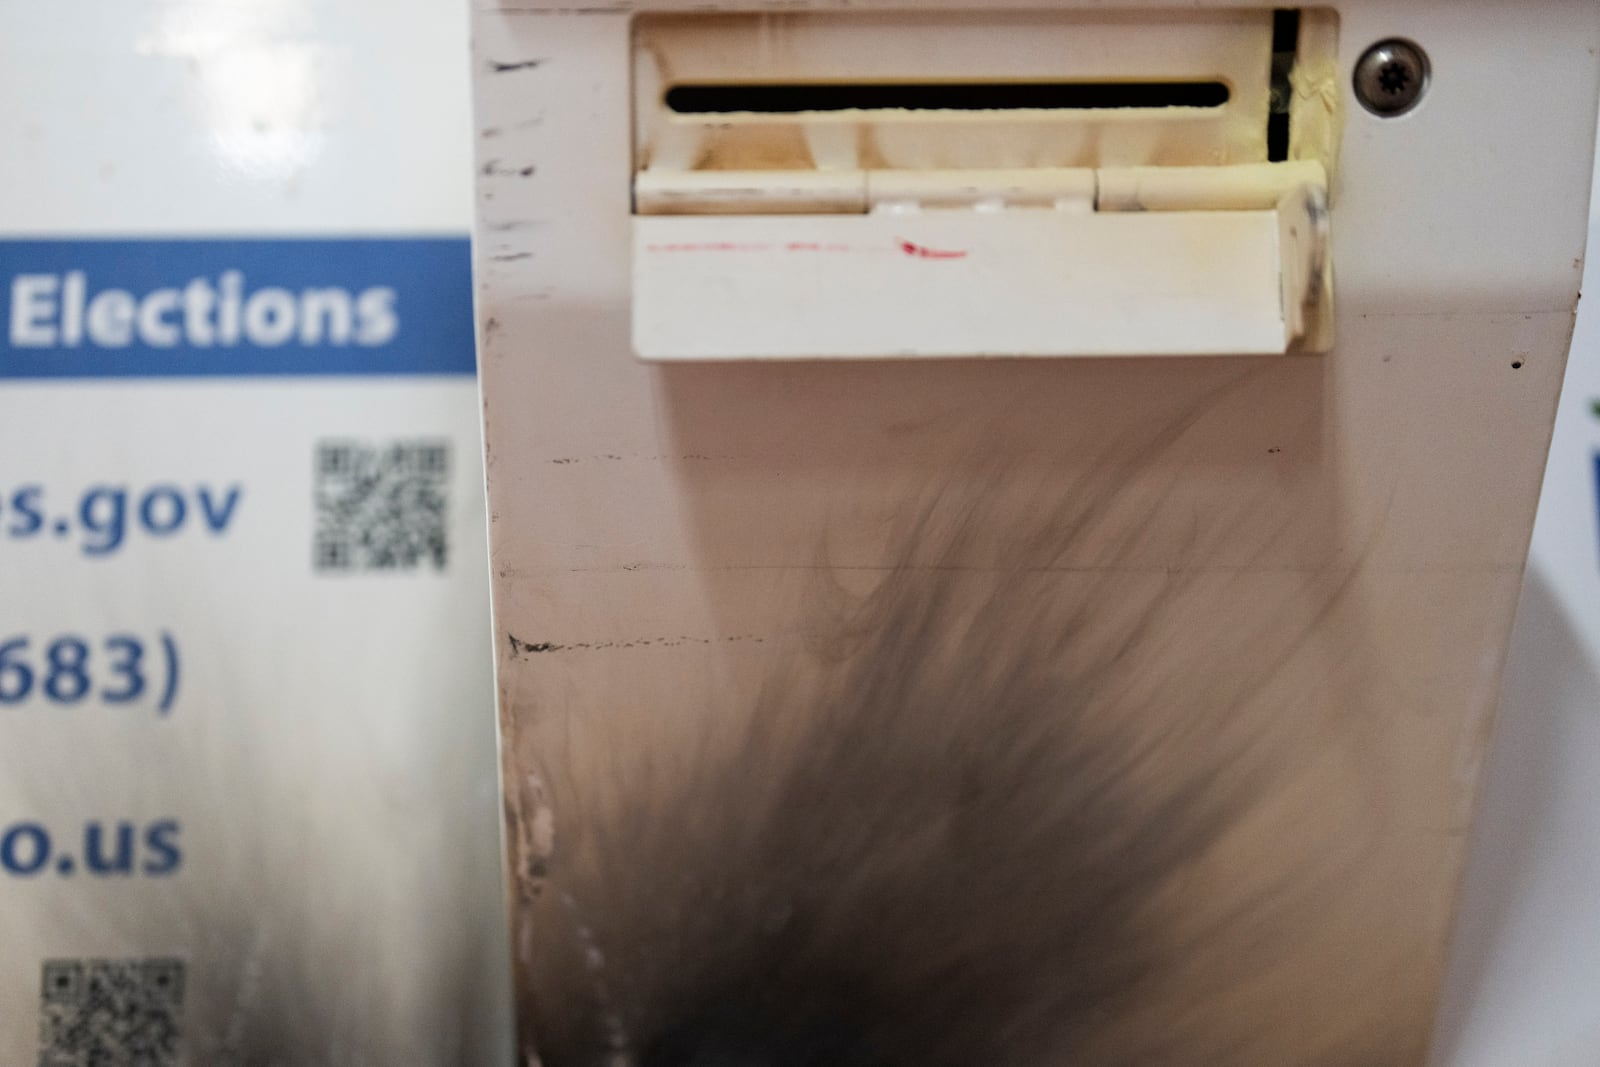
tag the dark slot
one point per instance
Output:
(942, 96)
(1285, 48)
(1286, 30)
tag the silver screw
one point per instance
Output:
(1391, 78)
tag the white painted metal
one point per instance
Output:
(1380, 497)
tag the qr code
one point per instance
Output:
(382, 507)
(110, 1013)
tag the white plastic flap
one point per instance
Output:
(966, 283)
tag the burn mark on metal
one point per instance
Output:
(963, 820)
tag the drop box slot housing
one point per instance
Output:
(860, 186)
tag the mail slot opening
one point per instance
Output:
(793, 98)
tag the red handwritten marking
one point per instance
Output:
(924, 252)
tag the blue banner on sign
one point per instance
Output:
(237, 307)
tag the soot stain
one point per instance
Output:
(959, 823)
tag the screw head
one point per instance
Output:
(1391, 78)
